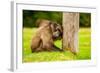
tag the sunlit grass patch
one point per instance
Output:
(84, 48)
(48, 56)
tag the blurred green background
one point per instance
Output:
(30, 17)
(29, 29)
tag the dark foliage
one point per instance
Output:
(30, 17)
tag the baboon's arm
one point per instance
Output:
(55, 48)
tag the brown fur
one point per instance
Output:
(43, 40)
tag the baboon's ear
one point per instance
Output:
(38, 22)
(52, 26)
(50, 23)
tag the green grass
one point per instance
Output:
(84, 48)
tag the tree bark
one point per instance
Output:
(70, 31)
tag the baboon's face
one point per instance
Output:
(56, 30)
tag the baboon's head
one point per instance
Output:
(57, 30)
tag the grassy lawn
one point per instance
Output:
(84, 48)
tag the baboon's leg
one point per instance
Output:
(39, 49)
(55, 48)
(32, 50)
(36, 46)
(49, 47)
(48, 44)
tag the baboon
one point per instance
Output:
(46, 33)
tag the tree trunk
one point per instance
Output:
(70, 31)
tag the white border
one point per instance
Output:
(17, 40)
